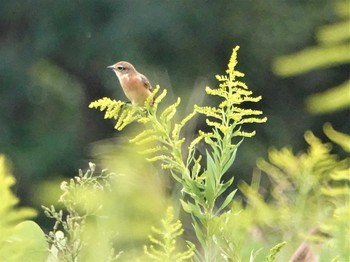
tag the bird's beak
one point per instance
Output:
(111, 67)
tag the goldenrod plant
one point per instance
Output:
(103, 216)
(201, 181)
(130, 214)
(164, 246)
(309, 193)
(313, 187)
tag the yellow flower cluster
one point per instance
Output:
(229, 115)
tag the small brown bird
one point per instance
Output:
(304, 253)
(307, 251)
(135, 85)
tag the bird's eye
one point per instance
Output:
(121, 68)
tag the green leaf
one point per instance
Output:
(227, 201)
(192, 209)
(224, 186)
(193, 188)
(30, 239)
(199, 232)
(196, 167)
(232, 158)
(210, 179)
(214, 145)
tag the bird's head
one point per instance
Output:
(122, 68)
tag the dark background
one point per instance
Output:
(53, 64)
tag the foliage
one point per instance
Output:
(333, 49)
(274, 251)
(19, 239)
(315, 185)
(27, 243)
(69, 240)
(202, 187)
(309, 190)
(70, 43)
(166, 241)
(8, 213)
(43, 126)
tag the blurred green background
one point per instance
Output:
(53, 64)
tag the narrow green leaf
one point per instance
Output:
(199, 232)
(192, 187)
(224, 186)
(210, 179)
(231, 159)
(196, 167)
(227, 201)
(192, 209)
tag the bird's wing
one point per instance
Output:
(146, 83)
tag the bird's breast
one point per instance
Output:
(130, 83)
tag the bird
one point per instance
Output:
(304, 253)
(307, 251)
(135, 85)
